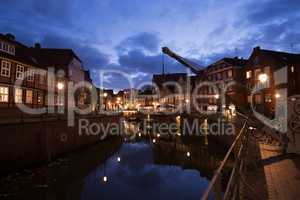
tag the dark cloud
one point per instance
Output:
(266, 11)
(91, 57)
(142, 41)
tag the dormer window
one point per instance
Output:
(7, 48)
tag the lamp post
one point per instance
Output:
(60, 96)
(105, 97)
(263, 78)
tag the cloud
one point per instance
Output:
(127, 36)
(148, 42)
(269, 10)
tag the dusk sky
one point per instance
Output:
(128, 35)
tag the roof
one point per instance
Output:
(237, 62)
(40, 57)
(11, 39)
(53, 57)
(169, 77)
(282, 57)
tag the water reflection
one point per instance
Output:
(148, 167)
(154, 167)
(143, 174)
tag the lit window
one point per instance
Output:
(29, 95)
(18, 95)
(5, 68)
(3, 94)
(229, 73)
(248, 74)
(30, 74)
(292, 69)
(257, 73)
(20, 72)
(268, 98)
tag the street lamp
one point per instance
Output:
(105, 96)
(217, 96)
(263, 78)
(277, 95)
(60, 85)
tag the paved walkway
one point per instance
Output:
(282, 174)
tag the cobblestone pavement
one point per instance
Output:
(282, 173)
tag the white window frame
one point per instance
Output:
(30, 75)
(20, 72)
(5, 47)
(5, 68)
(4, 94)
(18, 95)
(29, 100)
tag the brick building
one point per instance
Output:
(30, 65)
(279, 74)
(173, 89)
(16, 64)
(225, 77)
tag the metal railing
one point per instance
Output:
(237, 148)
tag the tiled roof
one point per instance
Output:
(282, 57)
(53, 57)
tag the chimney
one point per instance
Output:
(37, 45)
(10, 36)
(256, 48)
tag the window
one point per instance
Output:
(225, 73)
(30, 74)
(267, 70)
(292, 69)
(256, 73)
(5, 68)
(12, 49)
(229, 73)
(18, 95)
(42, 79)
(268, 98)
(3, 94)
(258, 99)
(248, 74)
(7, 48)
(29, 95)
(20, 72)
(249, 99)
(40, 98)
(219, 76)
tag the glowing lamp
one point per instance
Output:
(263, 78)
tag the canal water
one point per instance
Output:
(177, 168)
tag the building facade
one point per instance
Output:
(17, 65)
(277, 73)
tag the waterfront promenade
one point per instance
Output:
(281, 173)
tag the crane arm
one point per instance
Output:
(181, 60)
